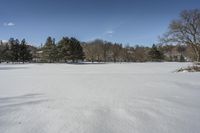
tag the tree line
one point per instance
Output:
(67, 49)
(72, 50)
(103, 51)
(15, 51)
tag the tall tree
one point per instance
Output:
(49, 50)
(15, 48)
(116, 48)
(63, 49)
(186, 30)
(106, 47)
(24, 53)
(70, 49)
(1, 51)
(7, 53)
(75, 50)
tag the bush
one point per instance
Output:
(194, 68)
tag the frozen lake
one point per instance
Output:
(99, 98)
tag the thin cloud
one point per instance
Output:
(9, 24)
(109, 33)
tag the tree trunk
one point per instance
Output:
(196, 51)
(198, 56)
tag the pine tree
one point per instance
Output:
(155, 54)
(69, 49)
(24, 53)
(6, 53)
(1, 51)
(14, 44)
(75, 50)
(63, 49)
(50, 50)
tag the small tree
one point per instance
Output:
(155, 54)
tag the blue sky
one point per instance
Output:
(124, 21)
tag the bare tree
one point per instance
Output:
(116, 48)
(186, 30)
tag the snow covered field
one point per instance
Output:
(100, 98)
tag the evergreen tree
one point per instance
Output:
(15, 48)
(49, 50)
(155, 54)
(24, 53)
(7, 54)
(54, 51)
(70, 49)
(63, 49)
(1, 52)
(75, 50)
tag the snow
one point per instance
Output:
(99, 98)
